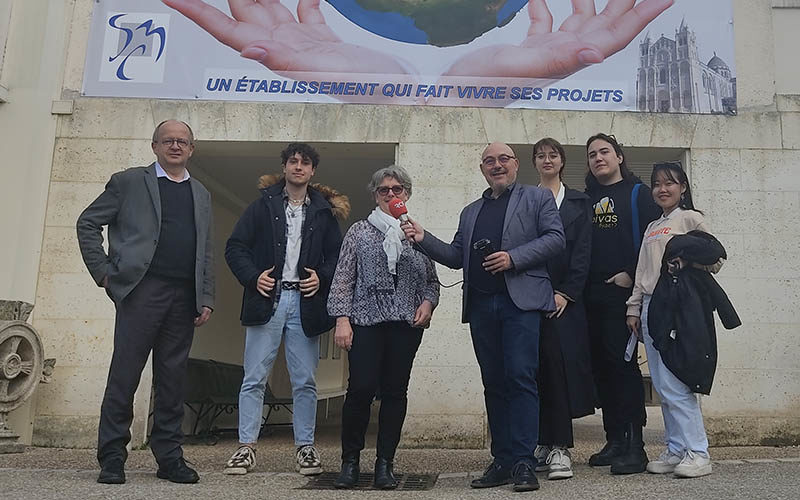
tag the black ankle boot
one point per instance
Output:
(615, 446)
(350, 473)
(634, 460)
(384, 474)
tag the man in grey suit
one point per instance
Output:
(159, 271)
(503, 243)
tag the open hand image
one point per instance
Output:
(267, 32)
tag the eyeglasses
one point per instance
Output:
(396, 190)
(182, 143)
(551, 156)
(491, 161)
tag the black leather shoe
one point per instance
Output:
(634, 460)
(349, 475)
(494, 475)
(178, 472)
(524, 477)
(616, 444)
(384, 474)
(112, 472)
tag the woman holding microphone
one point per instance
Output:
(383, 295)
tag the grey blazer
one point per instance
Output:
(532, 234)
(130, 206)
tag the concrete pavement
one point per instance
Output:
(744, 472)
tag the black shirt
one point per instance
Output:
(613, 248)
(489, 225)
(177, 243)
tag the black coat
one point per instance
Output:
(680, 316)
(258, 242)
(568, 272)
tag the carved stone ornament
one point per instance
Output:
(22, 366)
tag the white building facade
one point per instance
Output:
(59, 148)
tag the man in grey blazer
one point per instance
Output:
(503, 243)
(159, 271)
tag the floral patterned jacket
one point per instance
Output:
(365, 291)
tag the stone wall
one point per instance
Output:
(743, 170)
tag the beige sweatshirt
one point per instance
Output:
(654, 243)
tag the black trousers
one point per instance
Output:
(158, 316)
(618, 382)
(380, 361)
(555, 417)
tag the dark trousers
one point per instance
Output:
(380, 361)
(156, 316)
(555, 417)
(618, 382)
(506, 343)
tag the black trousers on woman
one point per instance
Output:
(619, 382)
(555, 417)
(380, 362)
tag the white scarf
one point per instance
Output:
(393, 236)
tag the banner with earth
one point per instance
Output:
(664, 56)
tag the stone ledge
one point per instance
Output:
(445, 431)
(60, 431)
(753, 431)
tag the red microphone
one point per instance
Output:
(398, 209)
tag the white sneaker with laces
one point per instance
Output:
(665, 463)
(560, 462)
(693, 465)
(540, 454)
(308, 461)
(242, 461)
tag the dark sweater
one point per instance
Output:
(174, 256)
(613, 248)
(489, 225)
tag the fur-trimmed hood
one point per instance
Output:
(340, 203)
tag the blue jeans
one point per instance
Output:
(506, 342)
(302, 357)
(683, 421)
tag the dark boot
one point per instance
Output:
(615, 446)
(634, 460)
(112, 472)
(384, 474)
(350, 473)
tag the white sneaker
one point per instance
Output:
(540, 454)
(242, 462)
(308, 462)
(693, 465)
(560, 463)
(665, 463)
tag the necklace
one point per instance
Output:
(293, 211)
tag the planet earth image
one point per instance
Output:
(442, 23)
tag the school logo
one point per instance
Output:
(604, 216)
(134, 47)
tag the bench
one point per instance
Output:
(212, 389)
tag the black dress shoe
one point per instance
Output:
(494, 475)
(349, 475)
(178, 472)
(524, 477)
(112, 472)
(384, 474)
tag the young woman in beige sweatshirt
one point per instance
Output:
(686, 452)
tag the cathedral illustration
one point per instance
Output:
(672, 79)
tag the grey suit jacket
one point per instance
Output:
(532, 234)
(130, 206)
